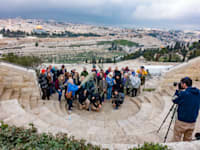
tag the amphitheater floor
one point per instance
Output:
(107, 112)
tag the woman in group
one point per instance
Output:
(71, 89)
(103, 88)
(60, 86)
(110, 83)
(50, 84)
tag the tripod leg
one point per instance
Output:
(166, 117)
(170, 124)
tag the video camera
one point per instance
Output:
(179, 85)
(197, 136)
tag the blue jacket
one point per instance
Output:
(72, 87)
(188, 104)
(110, 81)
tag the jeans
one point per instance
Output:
(59, 94)
(109, 93)
(102, 98)
(69, 102)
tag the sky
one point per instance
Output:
(170, 14)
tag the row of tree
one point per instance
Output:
(26, 61)
(95, 60)
(179, 52)
(44, 34)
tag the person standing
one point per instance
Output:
(110, 83)
(71, 87)
(44, 84)
(102, 88)
(60, 86)
(84, 72)
(142, 73)
(135, 82)
(188, 101)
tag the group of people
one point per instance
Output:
(91, 89)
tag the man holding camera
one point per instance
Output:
(188, 100)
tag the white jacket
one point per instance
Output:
(135, 81)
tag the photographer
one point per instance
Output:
(188, 100)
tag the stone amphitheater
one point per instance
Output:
(134, 123)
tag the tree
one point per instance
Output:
(36, 44)
(177, 45)
(114, 60)
(184, 53)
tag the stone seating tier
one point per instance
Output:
(135, 122)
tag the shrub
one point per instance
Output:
(18, 138)
(149, 89)
(151, 146)
(12, 137)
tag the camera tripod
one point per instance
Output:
(173, 108)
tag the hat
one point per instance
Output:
(43, 70)
(110, 74)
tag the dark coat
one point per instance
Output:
(118, 85)
(43, 81)
(188, 102)
(117, 73)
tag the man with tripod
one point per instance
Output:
(187, 99)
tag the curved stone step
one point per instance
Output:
(54, 106)
(34, 101)
(23, 119)
(130, 125)
(7, 94)
(10, 108)
(15, 94)
(136, 102)
(1, 90)
(75, 124)
(25, 101)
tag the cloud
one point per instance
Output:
(167, 10)
(140, 12)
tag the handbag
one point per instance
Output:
(68, 94)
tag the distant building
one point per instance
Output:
(39, 30)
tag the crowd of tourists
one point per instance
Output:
(91, 89)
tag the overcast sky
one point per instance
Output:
(177, 14)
